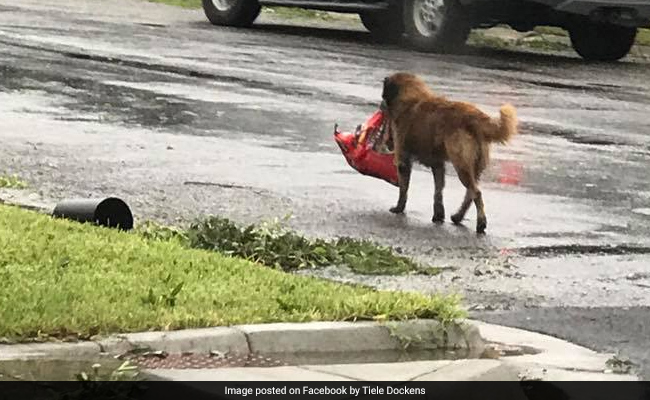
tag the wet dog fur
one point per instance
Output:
(432, 130)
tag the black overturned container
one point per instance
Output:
(109, 212)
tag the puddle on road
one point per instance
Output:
(214, 110)
(571, 249)
(54, 370)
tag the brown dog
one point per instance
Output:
(431, 129)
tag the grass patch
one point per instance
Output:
(299, 13)
(551, 30)
(12, 182)
(67, 280)
(478, 38)
(540, 43)
(274, 245)
(180, 3)
(643, 37)
(283, 12)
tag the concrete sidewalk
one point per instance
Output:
(414, 371)
(540, 357)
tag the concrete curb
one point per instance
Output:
(313, 337)
(544, 358)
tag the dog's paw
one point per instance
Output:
(457, 219)
(438, 213)
(438, 218)
(397, 210)
(481, 225)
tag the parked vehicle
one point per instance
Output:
(602, 30)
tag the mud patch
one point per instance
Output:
(8, 9)
(551, 251)
(562, 85)
(571, 135)
(54, 370)
(225, 186)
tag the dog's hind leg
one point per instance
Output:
(472, 194)
(438, 170)
(466, 180)
(481, 219)
(462, 152)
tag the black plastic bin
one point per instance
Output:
(110, 212)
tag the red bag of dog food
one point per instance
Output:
(362, 149)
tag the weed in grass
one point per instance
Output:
(274, 245)
(154, 231)
(125, 372)
(12, 182)
(169, 296)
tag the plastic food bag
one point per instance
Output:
(367, 150)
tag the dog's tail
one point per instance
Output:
(503, 129)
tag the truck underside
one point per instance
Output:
(520, 14)
(600, 30)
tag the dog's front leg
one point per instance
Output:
(404, 175)
(404, 166)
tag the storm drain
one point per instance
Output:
(158, 360)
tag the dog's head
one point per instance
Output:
(393, 86)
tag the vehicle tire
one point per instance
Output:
(440, 26)
(602, 42)
(239, 13)
(384, 26)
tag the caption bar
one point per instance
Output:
(342, 390)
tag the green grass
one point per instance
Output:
(180, 3)
(12, 182)
(643, 37)
(300, 13)
(67, 280)
(479, 38)
(551, 30)
(284, 12)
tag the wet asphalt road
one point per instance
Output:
(183, 119)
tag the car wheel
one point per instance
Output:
(240, 13)
(436, 25)
(602, 42)
(384, 26)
